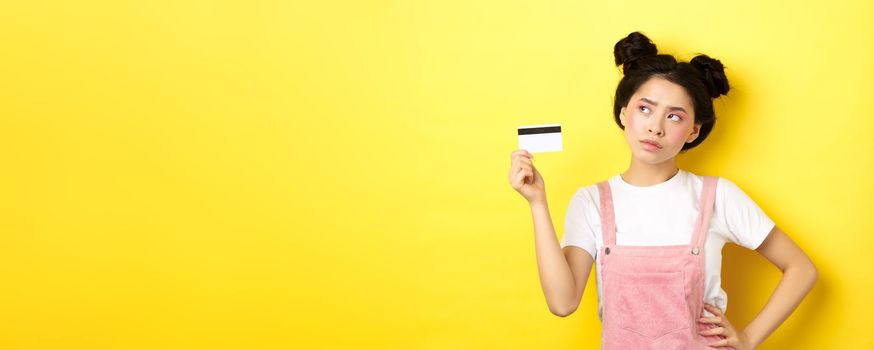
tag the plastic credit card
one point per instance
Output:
(540, 138)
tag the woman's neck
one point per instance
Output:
(643, 174)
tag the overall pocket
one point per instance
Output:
(653, 303)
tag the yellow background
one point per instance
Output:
(333, 175)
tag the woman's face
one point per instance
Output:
(660, 111)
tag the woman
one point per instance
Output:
(656, 231)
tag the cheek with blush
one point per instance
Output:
(679, 138)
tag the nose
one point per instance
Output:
(656, 128)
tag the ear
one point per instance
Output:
(622, 118)
(696, 128)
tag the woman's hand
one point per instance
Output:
(733, 338)
(524, 178)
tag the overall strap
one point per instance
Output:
(608, 225)
(705, 211)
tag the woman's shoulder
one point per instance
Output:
(587, 194)
(720, 180)
(591, 190)
(726, 189)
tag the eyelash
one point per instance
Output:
(678, 116)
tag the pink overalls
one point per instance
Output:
(654, 295)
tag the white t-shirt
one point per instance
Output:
(664, 214)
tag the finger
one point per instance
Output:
(519, 178)
(519, 159)
(526, 174)
(514, 169)
(519, 171)
(729, 332)
(713, 309)
(723, 342)
(527, 168)
(715, 320)
(713, 331)
(521, 153)
(719, 314)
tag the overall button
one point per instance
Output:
(607, 250)
(695, 250)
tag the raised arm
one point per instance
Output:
(563, 273)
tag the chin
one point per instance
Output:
(649, 158)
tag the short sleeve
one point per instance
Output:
(577, 231)
(747, 223)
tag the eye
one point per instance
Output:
(644, 107)
(678, 117)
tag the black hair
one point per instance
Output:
(703, 78)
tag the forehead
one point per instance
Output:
(664, 93)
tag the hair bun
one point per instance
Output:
(714, 74)
(632, 47)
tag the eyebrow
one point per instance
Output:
(670, 108)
